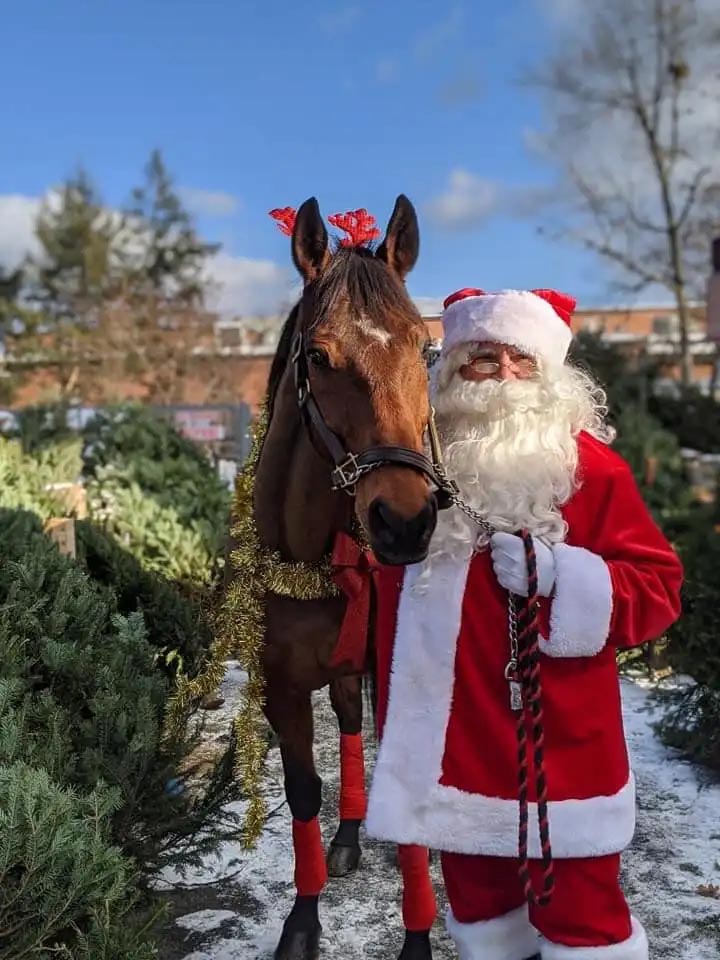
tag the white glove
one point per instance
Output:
(510, 566)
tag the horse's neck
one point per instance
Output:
(296, 511)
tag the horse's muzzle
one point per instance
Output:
(397, 540)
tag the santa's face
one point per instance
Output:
(496, 361)
(508, 430)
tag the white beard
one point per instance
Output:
(512, 449)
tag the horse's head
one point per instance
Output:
(364, 342)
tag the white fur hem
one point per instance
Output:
(510, 937)
(446, 818)
(517, 317)
(582, 604)
(634, 948)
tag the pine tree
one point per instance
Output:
(64, 890)
(79, 264)
(173, 258)
(82, 697)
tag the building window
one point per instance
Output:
(663, 325)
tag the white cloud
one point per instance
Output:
(387, 70)
(209, 203)
(17, 224)
(468, 201)
(246, 286)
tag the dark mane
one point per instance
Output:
(282, 355)
(356, 273)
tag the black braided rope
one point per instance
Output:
(532, 714)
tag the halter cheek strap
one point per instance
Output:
(350, 467)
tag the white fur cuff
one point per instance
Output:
(510, 937)
(634, 948)
(582, 604)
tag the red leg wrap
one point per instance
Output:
(419, 907)
(310, 868)
(353, 801)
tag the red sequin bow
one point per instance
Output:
(352, 571)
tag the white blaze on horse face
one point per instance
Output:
(371, 329)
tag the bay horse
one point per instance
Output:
(347, 412)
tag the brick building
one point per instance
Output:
(232, 365)
(643, 331)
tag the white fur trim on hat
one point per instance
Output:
(634, 948)
(516, 317)
(509, 937)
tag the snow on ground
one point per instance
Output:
(234, 907)
(676, 851)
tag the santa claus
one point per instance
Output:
(525, 437)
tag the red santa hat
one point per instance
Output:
(535, 321)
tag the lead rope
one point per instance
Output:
(523, 676)
(524, 638)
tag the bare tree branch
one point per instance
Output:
(692, 194)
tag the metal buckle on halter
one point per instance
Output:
(346, 474)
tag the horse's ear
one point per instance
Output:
(401, 245)
(310, 241)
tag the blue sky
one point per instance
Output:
(262, 104)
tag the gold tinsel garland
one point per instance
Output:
(240, 633)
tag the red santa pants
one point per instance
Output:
(588, 908)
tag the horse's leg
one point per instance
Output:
(291, 717)
(344, 853)
(418, 905)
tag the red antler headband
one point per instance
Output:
(285, 219)
(359, 225)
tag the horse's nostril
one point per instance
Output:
(385, 519)
(388, 524)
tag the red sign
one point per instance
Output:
(201, 425)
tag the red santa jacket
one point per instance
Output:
(446, 773)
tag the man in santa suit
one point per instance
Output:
(524, 436)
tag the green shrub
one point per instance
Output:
(64, 890)
(692, 721)
(150, 530)
(656, 462)
(26, 479)
(86, 700)
(695, 637)
(175, 624)
(694, 419)
(149, 456)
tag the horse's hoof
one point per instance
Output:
(416, 946)
(342, 860)
(300, 939)
(299, 945)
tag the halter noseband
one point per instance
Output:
(350, 467)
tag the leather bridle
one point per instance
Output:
(349, 467)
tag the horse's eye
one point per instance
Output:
(318, 358)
